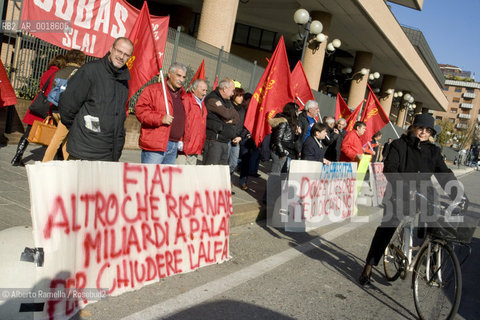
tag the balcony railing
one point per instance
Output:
(464, 116)
(466, 105)
(469, 95)
(461, 126)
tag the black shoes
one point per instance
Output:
(364, 278)
(255, 175)
(17, 159)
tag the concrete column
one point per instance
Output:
(217, 22)
(385, 98)
(314, 58)
(359, 82)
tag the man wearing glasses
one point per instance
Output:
(93, 106)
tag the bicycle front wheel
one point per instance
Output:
(437, 282)
(393, 264)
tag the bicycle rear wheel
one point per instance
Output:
(437, 282)
(392, 261)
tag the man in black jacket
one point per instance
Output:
(93, 106)
(333, 150)
(221, 120)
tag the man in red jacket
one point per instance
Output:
(161, 131)
(352, 146)
(195, 123)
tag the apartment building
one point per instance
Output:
(463, 95)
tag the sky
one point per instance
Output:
(451, 28)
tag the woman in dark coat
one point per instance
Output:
(313, 149)
(412, 159)
(284, 137)
(53, 66)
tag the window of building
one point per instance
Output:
(453, 110)
(241, 34)
(438, 118)
(456, 100)
(470, 90)
(457, 89)
(452, 120)
(254, 37)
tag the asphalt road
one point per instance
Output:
(278, 275)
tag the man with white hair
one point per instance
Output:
(333, 150)
(195, 123)
(162, 130)
(221, 120)
(307, 119)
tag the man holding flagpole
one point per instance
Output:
(163, 125)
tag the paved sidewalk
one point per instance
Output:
(15, 197)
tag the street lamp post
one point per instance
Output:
(302, 19)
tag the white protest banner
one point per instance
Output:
(110, 227)
(318, 195)
(378, 182)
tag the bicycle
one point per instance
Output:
(436, 273)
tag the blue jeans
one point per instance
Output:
(233, 152)
(161, 157)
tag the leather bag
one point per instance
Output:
(42, 131)
(40, 106)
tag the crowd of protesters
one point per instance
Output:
(184, 125)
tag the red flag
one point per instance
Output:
(93, 25)
(215, 84)
(144, 63)
(374, 116)
(273, 91)
(7, 94)
(353, 117)
(341, 109)
(300, 85)
(200, 74)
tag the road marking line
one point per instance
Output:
(230, 281)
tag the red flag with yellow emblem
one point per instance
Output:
(374, 117)
(273, 91)
(341, 108)
(352, 118)
(300, 86)
(146, 60)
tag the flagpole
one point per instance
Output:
(164, 91)
(394, 130)
(303, 104)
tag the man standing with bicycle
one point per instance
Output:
(411, 162)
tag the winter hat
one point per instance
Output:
(426, 120)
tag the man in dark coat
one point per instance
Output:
(386, 148)
(221, 121)
(334, 149)
(93, 106)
